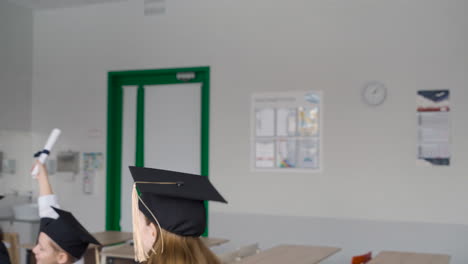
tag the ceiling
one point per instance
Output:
(50, 4)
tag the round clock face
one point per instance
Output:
(374, 93)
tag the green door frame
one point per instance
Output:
(118, 79)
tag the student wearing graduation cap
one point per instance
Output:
(169, 216)
(62, 239)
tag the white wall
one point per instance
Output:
(16, 45)
(252, 46)
(16, 145)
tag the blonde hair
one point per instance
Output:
(181, 250)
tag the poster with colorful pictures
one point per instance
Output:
(286, 131)
(433, 117)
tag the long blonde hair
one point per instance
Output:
(181, 250)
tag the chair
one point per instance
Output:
(249, 250)
(361, 259)
(12, 244)
(239, 254)
(229, 257)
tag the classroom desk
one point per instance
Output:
(125, 253)
(291, 254)
(213, 241)
(392, 257)
(106, 238)
(109, 238)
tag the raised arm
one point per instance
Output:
(43, 180)
(46, 196)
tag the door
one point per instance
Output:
(158, 119)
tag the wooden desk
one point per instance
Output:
(30, 259)
(392, 257)
(126, 251)
(106, 238)
(291, 254)
(213, 241)
(109, 238)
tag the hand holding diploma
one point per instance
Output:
(43, 154)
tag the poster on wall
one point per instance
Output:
(92, 164)
(286, 131)
(433, 117)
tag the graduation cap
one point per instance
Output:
(172, 200)
(68, 233)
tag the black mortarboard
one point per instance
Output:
(68, 233)
(176, 199)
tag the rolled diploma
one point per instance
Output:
(48, 146)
